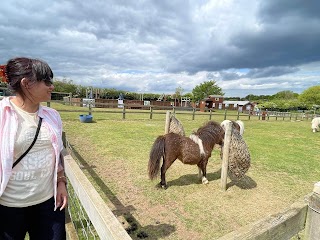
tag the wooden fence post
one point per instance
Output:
(210, 116)
(167, 124)
(312, 230)
(90, 110)
(150, 112)
(225, 114)
(225, 158)
(123, 112)
(193, 113)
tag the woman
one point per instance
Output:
(33, 193)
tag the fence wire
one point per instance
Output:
(77, 213)
(79, 217)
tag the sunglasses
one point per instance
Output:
(48, 82)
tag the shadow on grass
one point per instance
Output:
(244, 183)
(135, 230)
(190, 179)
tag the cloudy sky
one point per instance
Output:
(256, 47)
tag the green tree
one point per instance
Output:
(3, 84)
(310, 96)
(190, 95)
(285, 95)
(205, 89)
(252, 97)
(65, 86)
(282, 105)
(177, 95)
(152, 96)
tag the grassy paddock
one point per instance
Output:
(285, 165)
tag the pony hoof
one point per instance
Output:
(205, 181)
(163, 186)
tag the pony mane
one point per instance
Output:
(211, 133)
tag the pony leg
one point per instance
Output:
(202, 172)
(164, 169)
(163, 182)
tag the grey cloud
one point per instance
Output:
(258, 73)
(272, 11)
(270, 72)
(290, 41)
(83, 40)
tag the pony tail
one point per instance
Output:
(156, 153)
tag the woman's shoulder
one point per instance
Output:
(47, 111)
(5, 102)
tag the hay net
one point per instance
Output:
(176, 126)
(239, 156)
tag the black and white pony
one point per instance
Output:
(194, 150)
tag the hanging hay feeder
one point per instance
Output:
(239, 156)
(175, 126)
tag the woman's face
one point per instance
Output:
(40, 91)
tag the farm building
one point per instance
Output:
(218, 102)
(238, 105)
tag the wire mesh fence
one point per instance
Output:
(79, 218)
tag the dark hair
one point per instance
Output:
(22, 67)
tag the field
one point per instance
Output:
(114, 155)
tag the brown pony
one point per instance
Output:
(195, 149)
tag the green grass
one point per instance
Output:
(285, 166)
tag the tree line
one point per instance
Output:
(281, 101)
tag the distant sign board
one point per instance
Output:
(120, 103)
(86, 102)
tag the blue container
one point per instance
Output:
(85, 118)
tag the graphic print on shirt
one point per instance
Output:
(31, 181)
(38, 163)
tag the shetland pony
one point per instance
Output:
(239, 125)
(315, 124)
(195, 149)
